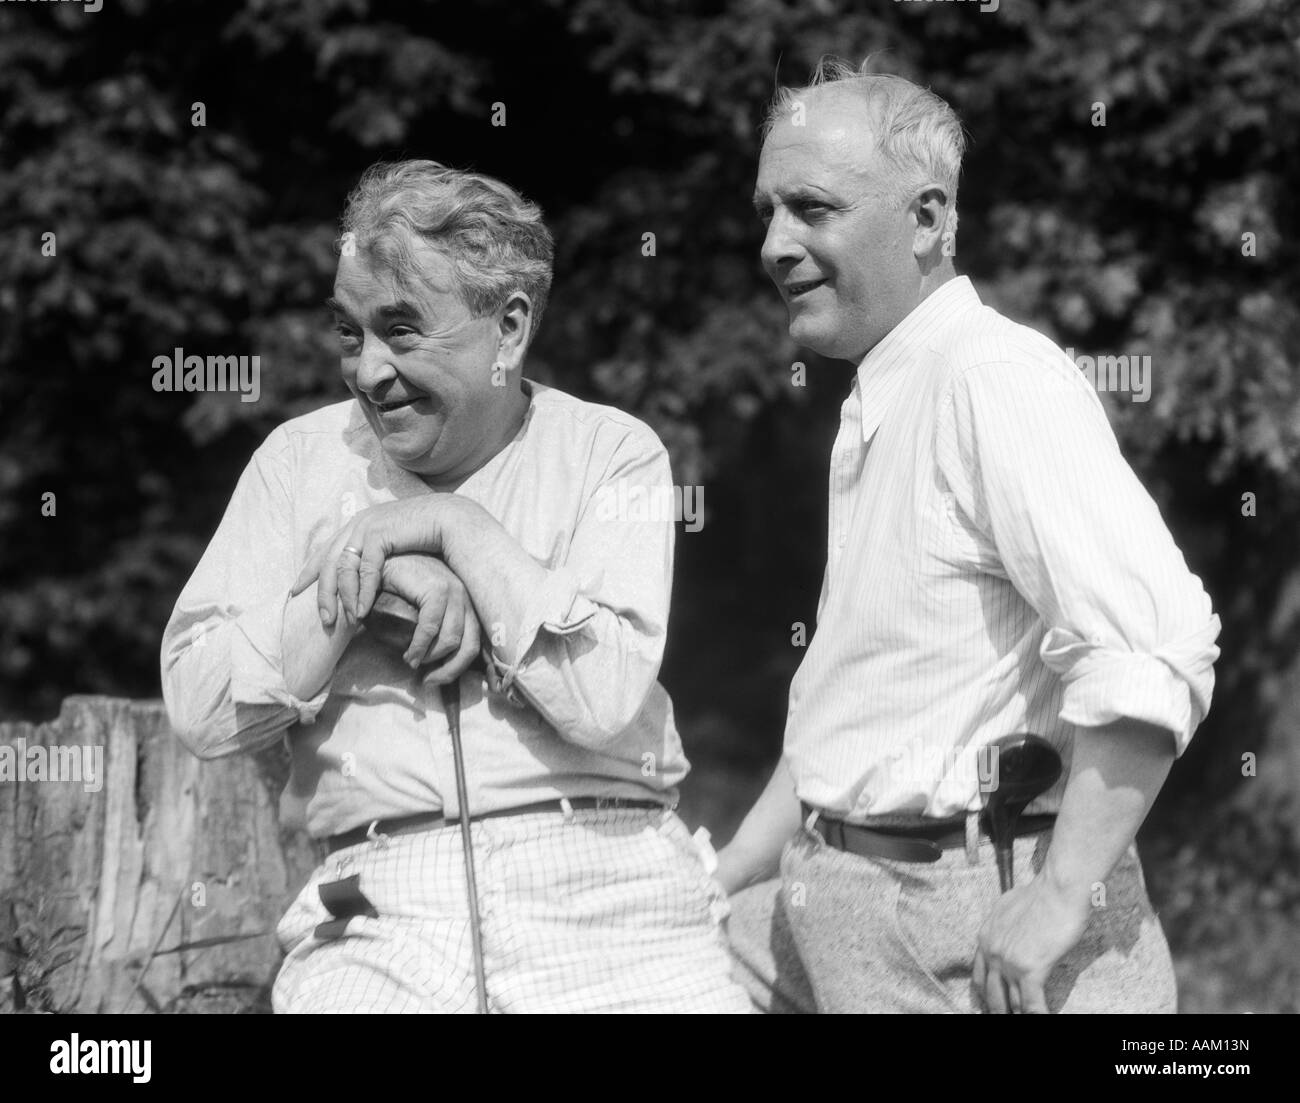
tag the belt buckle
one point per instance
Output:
(375, 835)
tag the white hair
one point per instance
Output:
(917, 134)
(495, 239)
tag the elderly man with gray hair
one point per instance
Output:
(993, 567)
(475, 495)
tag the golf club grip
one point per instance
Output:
(451, 705)
(393, 620)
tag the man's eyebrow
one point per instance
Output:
(402, 308)
(806, 191)
(791, 195)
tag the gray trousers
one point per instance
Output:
(840, 933)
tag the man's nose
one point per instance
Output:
(374, 365)
(781, 248)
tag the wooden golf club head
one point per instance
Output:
(1027, 766)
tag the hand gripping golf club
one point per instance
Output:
(392, 621)
(1027, 766)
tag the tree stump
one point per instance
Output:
(103, 876)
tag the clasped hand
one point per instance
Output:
(394, 547)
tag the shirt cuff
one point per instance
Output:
(257, 665)
(558, 607)
(1169, 688)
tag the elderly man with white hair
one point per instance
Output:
(478, 497)
(993, 567)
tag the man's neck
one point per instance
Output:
(930, 283)
(934, 279)
(520, 399)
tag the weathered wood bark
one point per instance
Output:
(160, 852)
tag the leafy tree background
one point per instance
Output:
(626, 117)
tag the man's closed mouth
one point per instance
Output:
(794, 290)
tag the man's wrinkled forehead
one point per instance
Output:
(825, 134)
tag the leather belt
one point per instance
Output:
(924, 841)
(430, 821)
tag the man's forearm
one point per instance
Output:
(754, 853)
(1116, 773)
(500, 576)
(310, 650)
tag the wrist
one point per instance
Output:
(458, 519)
(1067, 883)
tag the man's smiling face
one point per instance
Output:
(419, 363)
(838, 245)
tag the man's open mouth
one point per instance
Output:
(794, 290)
(389, 407)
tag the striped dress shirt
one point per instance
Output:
(993, 566)
(586, 715)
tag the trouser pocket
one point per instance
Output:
(304, 914)
(694, 856)
(937, 920)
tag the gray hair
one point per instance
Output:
(918, 135)
(494, 238)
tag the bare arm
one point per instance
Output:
(1115, 776)
(754, 854)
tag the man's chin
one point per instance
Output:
(813, 337)
(406, 451)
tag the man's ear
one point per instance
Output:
(930, 211)
(514, 327)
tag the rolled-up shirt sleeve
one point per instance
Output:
(222, 670)
(1031, 459)
(591, 638)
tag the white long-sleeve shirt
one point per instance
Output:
(374, 744)
(993, 567)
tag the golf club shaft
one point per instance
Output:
(1006, 874)
(451, 705)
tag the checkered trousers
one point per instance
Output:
(590, 911)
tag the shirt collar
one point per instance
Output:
(883, 368)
